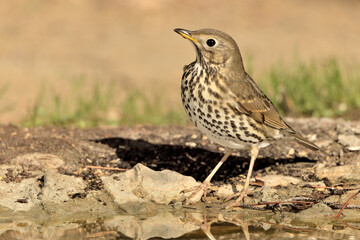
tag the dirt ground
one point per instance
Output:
(49, 44)
(48, 181)
(181, 149)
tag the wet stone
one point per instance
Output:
(142, 184)
(316, 212)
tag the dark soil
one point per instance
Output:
(181, 149)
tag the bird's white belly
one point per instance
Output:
(221, 139)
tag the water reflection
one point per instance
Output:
(185, 223)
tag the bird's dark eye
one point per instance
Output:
(210, 42)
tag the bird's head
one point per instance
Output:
(213, 46)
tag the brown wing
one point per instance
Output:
(253, 102)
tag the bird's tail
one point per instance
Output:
(303, 141)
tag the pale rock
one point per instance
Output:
(355, 200)
(142, 184)
(317, 212)
(279, 180)
(59, 188)
(20, 196)
(351, 141)
(356, 129)
(338, 173)
(225, 191)
(269, 194)
(41, 160)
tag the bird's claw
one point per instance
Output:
(243, 195)
(196, 195)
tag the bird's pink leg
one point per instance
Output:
(204, 186)
(254, 153)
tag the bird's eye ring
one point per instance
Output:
(210, 42)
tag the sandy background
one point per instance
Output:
(52, 43)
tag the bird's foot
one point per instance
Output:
(241, 198)
(236, 195)
(196, 193)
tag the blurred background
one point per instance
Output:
(99, 63)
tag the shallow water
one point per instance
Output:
(182, 224)
(218, 231)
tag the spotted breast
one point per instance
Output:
(211, 107)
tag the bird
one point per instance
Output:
(226, 104)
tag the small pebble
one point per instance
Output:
(177, 205)
(291, 151)
(190, 144)
(303, 154)
(354, 149)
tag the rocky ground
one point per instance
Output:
(130, 181)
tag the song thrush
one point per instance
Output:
(225, 103)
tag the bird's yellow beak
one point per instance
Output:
(185, 34)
